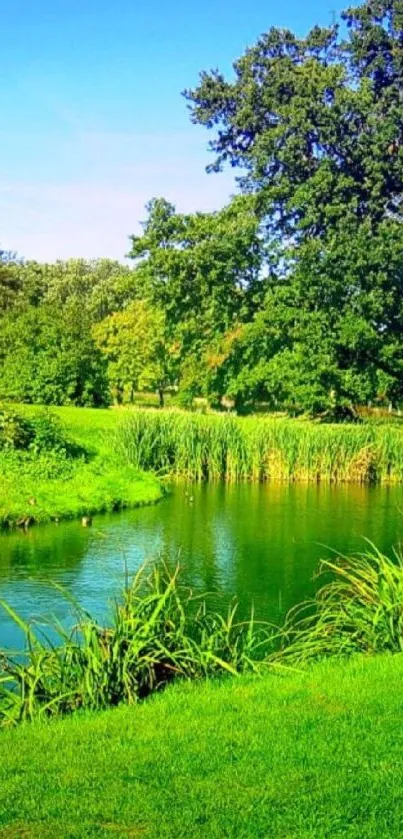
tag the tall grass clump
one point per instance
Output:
(214, 447)
(159, 633)
(359, 609)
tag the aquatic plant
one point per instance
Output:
(359, 609)
(160, 632)
(224, 447)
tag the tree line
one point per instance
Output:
(292, 294)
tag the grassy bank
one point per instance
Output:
(160, 632)
(215, 447)
(316, 755)
(41, 487)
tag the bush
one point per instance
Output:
(16, 432)
(40, 434)
(48, 435)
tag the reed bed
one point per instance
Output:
(215, 447)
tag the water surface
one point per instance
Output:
(260, 543)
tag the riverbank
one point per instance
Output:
(120, 451)
(306, 755)
(37, 489)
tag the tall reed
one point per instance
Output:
(160, 632)
(359, 609)
(213, 447)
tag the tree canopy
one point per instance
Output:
(315, 127)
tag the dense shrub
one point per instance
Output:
(16, 432)
(41, 434)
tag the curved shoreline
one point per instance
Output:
(101, 483)
(54, 506)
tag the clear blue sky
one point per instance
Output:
(92, 123)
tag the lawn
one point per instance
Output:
(303, 756)
(101, 481)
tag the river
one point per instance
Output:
(259, 543)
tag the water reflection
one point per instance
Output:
(257, 542)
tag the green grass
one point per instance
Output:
(216, 447)
(317, 755)
(100, 481)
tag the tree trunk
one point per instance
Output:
(161, 397)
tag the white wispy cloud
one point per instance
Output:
(47, 221)
(76, 188)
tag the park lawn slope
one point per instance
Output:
(100, 481)
(304, 756)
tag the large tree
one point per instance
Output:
(10, 285)
(139, 353)
(48, 356)
(315, 126)
(203, 271)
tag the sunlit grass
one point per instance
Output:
(312, 755)
(99, 480)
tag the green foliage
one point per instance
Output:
(39, 433)
(34, 446)
(359, 610)
(316, 125)
(159, 633)
(103, 285)
(217, 447)
(16, 432)
(49, 434)
(204, 272)
(9, 283)
(51, 360)
(202, 269)
(140, 356)
(47, 353)
(292, 294)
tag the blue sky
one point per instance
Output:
(92, 121)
